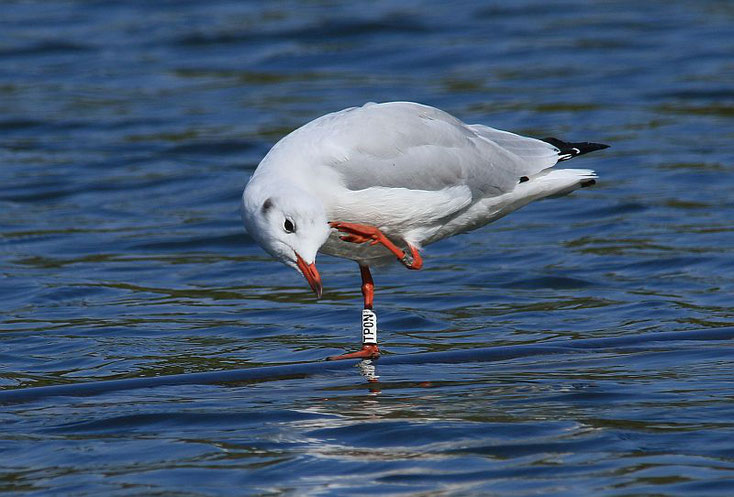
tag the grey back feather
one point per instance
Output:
(408, 145)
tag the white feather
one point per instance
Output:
(414, 171)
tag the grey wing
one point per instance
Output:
(535, 154)
(413, 146)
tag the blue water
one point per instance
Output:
(127, 132)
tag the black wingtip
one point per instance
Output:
(569, 150)
(587, 183)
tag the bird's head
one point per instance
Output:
(290, 224)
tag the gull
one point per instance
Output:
(379, 182)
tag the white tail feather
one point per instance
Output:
(548, 183)
(554, 183)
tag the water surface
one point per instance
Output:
(127, 132)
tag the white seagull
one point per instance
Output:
(381, 181)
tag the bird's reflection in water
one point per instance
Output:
(368, 370)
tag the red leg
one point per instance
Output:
(368, 286)
(369, 350)
(360, 233)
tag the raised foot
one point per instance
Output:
(414, 260)
(367, 352)
(360, 233)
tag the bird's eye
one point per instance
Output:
(289, 227)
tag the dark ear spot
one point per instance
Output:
(267, 204)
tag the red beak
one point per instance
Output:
(311, 275)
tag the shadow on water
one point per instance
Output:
(649, 342)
